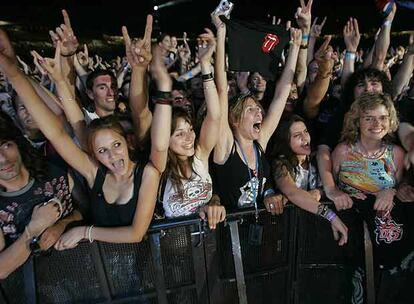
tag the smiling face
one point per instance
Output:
(182, 139)
(111, 149)
(104, 92)
(10, 162)
(374, 123)
(299, 139)
(250, 122)
(367, 86)
(258, 83)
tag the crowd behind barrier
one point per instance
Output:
(296, 123)
(183, 262)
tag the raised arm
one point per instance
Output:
(211, 123)
(403, 75)
(161, 123)
(225, 141)
(303, 18)
(69, 44)
(139, 56)
(315, 32)
(71, 108)
(282, 90)
(351, 39)
(48, 122)
(383, 41)
(318, 88)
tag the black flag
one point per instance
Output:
(254, 46)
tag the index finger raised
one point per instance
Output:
(66, 18)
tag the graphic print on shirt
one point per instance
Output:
(387, 230)
(248, 191)
(14, 214)
(195, 194)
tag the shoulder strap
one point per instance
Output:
(99, 179)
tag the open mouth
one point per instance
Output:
(257, 126)
(119, 164)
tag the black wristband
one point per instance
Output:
(207, 77)
(69, 55)
(162, 95)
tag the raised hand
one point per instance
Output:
(138, 52)
(217, 22)
(83, 57)
(26, 68)
(207, 47)
(316, 29)
(303, 15)
(51, 66)
(184, 52)
(8, 60)
(65, 35)
(295, 36)
(37, 63)
(325, 55)
(351, 35)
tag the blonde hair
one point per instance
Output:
(237, 106)
(366, 102)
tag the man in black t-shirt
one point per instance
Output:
(33, 197)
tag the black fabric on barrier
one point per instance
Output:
(247, 42)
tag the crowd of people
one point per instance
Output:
(94, 149)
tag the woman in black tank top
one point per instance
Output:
(108, 160)
(239, 165)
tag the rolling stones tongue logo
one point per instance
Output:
(269, 43)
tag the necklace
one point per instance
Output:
(373, 155)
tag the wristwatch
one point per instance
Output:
(34, 245)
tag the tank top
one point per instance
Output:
(360, 174)
(16, 207)
(113, 215)
(232, 182)
(197, 192)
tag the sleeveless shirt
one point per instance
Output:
(232, 182)
(360, 174)
(196, 192)
(113, 215)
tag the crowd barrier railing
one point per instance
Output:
(292, 259)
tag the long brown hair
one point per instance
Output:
(110, 122)
(284, 159)
(175, 168)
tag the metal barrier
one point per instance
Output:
(181, 261)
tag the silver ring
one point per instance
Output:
(271, 206)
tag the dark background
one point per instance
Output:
(91, 18)
(98, 22)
